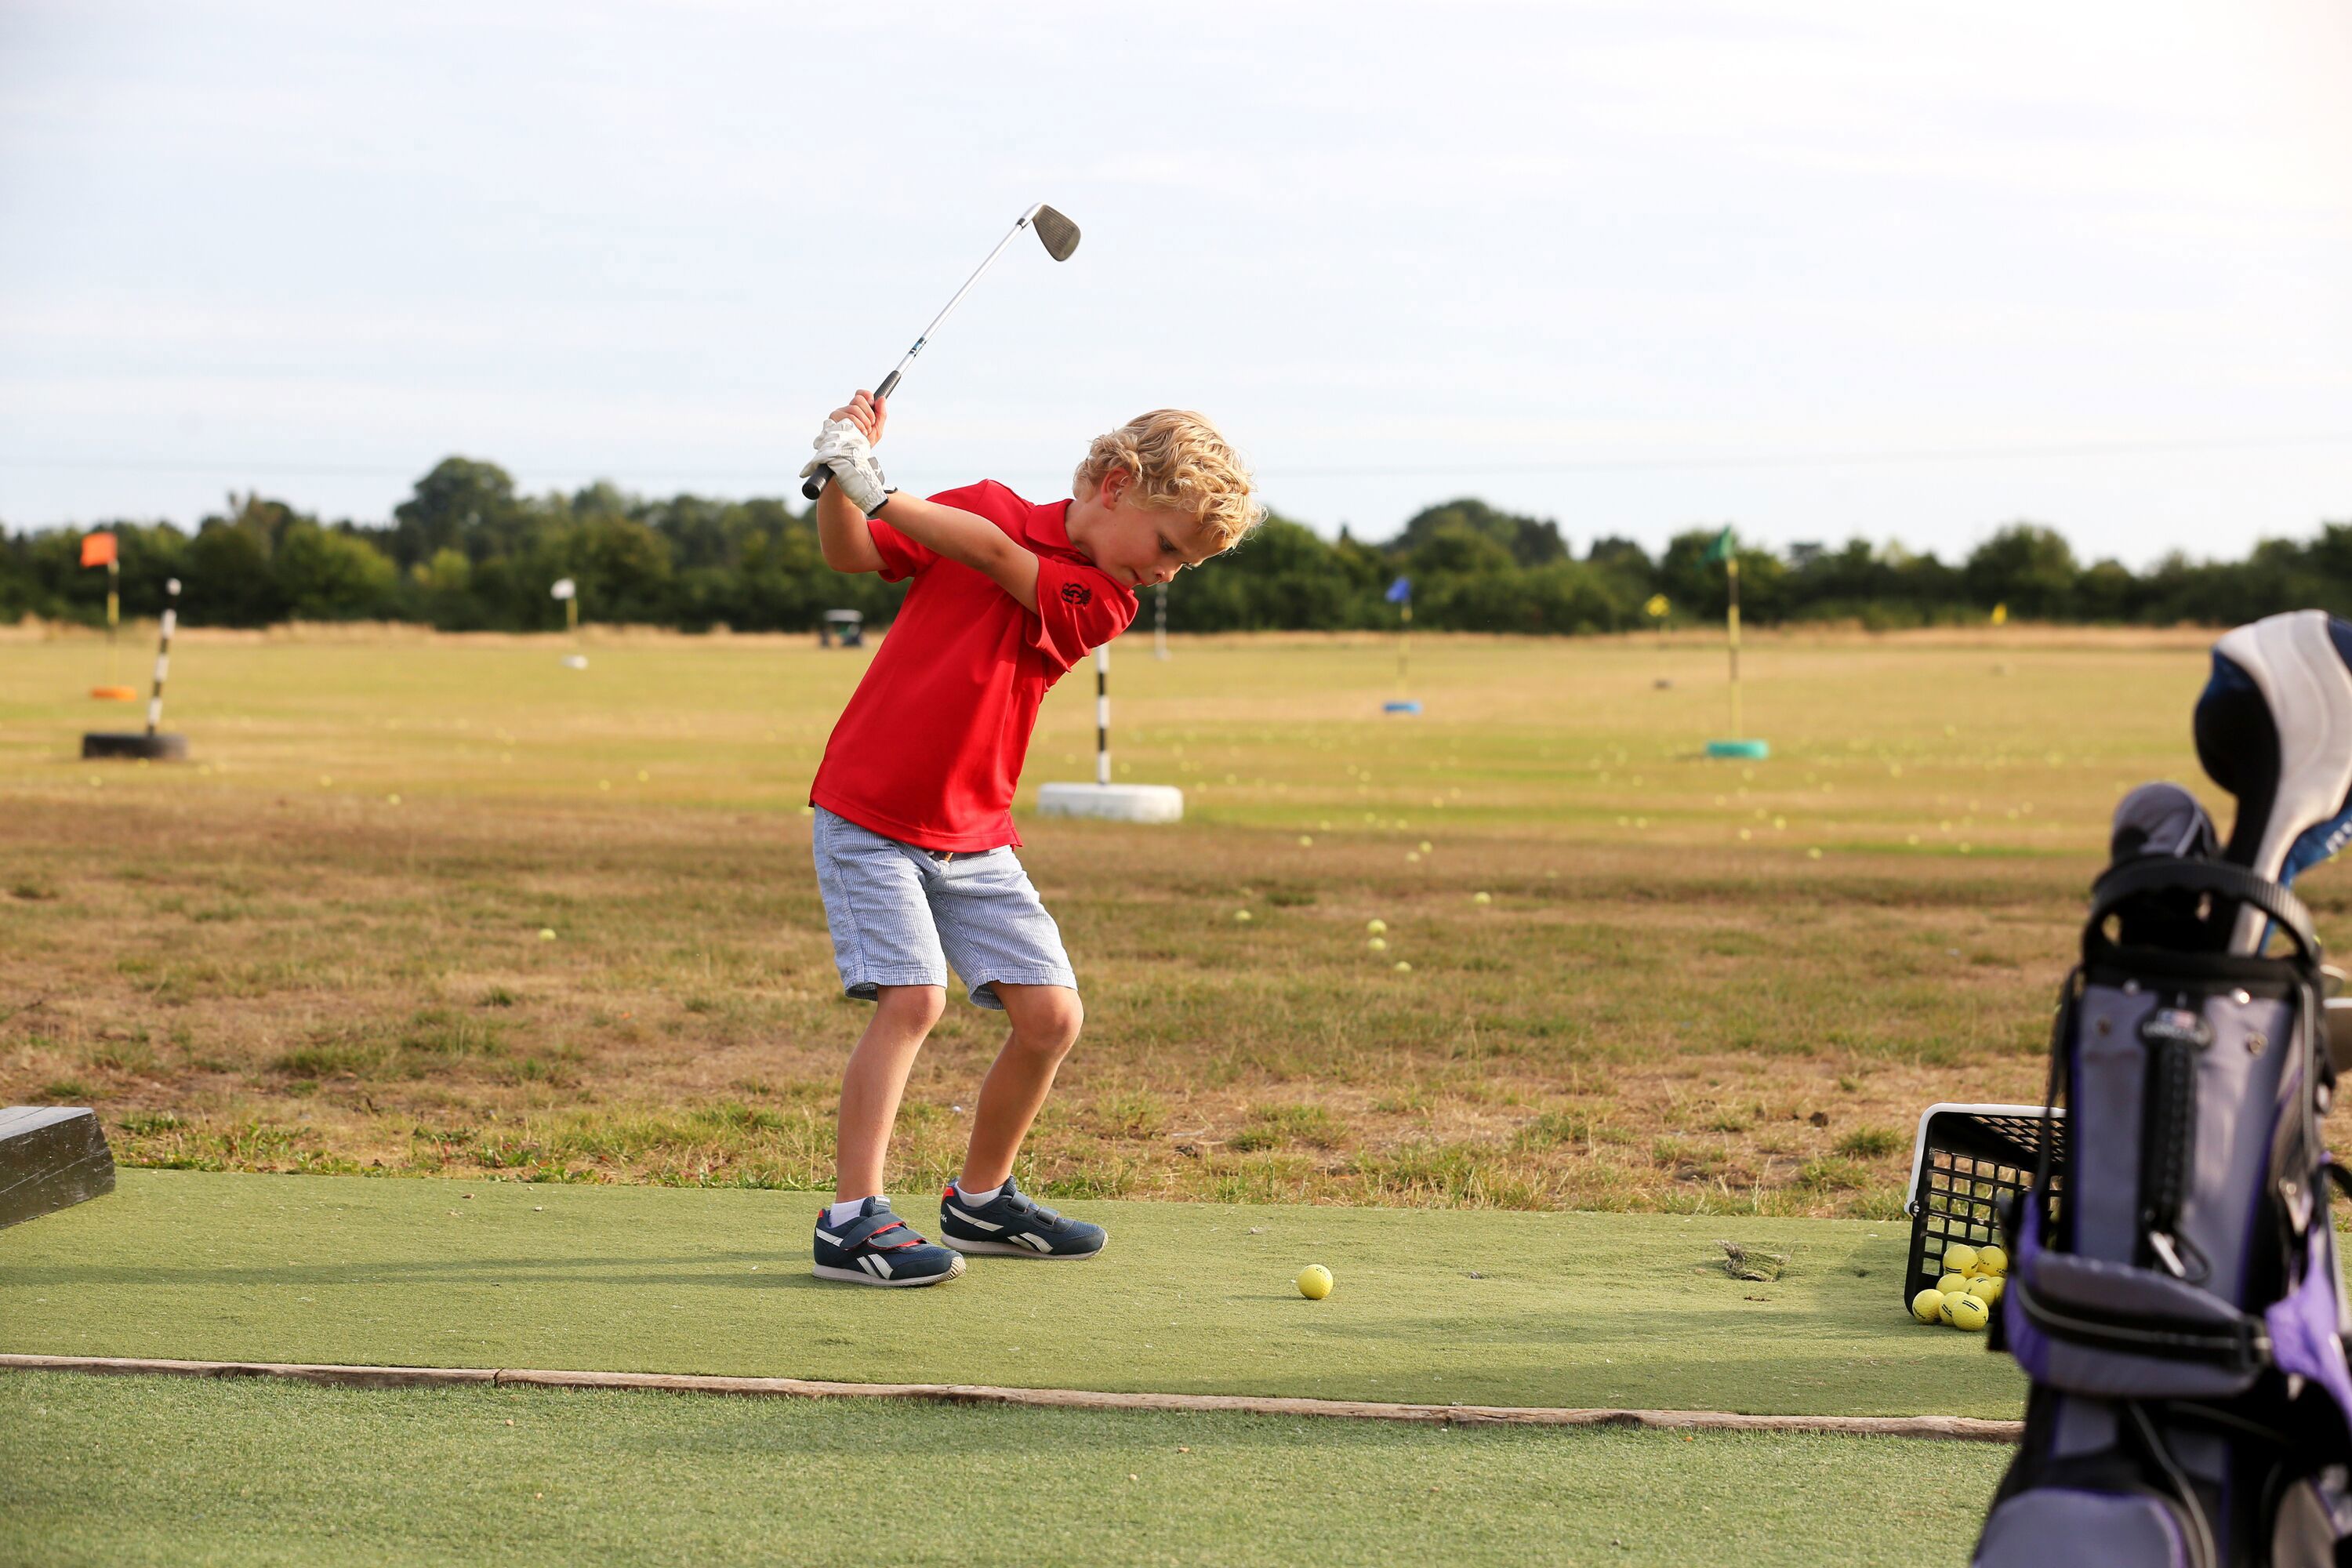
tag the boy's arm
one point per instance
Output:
(842, 533)
(959, 535)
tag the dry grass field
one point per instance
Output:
(424, 904)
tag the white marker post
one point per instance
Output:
(568, 591)
(1102, 798)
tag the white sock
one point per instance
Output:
(842, 1213)
(976, 1199)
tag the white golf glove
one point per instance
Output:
(843, 450)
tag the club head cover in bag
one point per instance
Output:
(2274, 727)
(2163, 819)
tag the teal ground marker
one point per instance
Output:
(1753, 749)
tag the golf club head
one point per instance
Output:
(2274, 727)
(1058, 234)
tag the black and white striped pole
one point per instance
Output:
(1102, 715)
(1159, 624)
(164, 654)
(152, 745)
(1119, 803)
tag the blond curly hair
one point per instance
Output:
(1175, 458)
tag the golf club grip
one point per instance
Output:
(813, 486)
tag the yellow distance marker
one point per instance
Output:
(1314, 1282)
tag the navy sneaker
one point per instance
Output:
(1014, 1225)
(877, 1248)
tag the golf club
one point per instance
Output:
(1057, 234)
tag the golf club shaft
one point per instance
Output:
(814, 485)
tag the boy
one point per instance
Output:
(914, 835)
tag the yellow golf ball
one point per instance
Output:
(1987, 1288)
(1944, 1307)
(1967, 1312)
(1953, 1284)
(1960, 1259)
(1927, 1306)
(1993, 1260)
(1314, 1282)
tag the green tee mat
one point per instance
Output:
(1431, 1306)
(155, 1471)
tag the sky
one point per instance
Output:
(1820, 270)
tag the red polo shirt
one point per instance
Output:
(929, 751)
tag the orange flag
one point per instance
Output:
(98, 550)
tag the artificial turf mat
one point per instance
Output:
(130, 1471)
(1479, 1308)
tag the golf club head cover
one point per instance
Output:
(842, 451)
(2163, 819)
(2274, 727)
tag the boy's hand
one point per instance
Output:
(867, 413)
(844, 450)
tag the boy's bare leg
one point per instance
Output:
(874, 1080)
(1046, 1021)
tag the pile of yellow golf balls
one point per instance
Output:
(1964, 1297)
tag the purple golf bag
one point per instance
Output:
(2173, 1292)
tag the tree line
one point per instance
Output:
(465, 552)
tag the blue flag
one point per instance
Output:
(1401, 591)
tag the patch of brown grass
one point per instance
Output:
(261, 961)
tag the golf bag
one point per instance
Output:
(2174, 1294)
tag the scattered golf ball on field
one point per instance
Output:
(1969, 1312)
(1242, 915)
(1377, 927)
(1482, 898)
(547, 933)
(1927, 1306)
(1314, 1282)
(1306, 841)
(1402, 967)
(1960, 1259)
(1378, 945)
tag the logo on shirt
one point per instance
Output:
(1077, 594)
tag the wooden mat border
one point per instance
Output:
(1955, 1428)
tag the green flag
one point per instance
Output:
(1721, 549)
